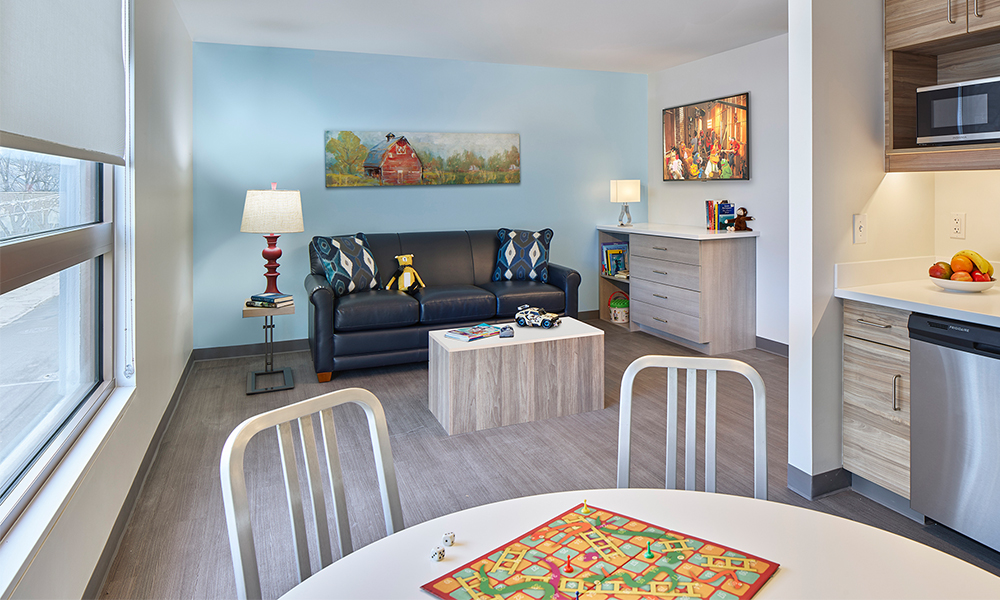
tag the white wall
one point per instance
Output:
(163, 235)
(762, 69)
(977, 194)
(836, 133)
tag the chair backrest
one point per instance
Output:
(234, 491)
(692, 365)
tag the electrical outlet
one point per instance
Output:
(860, 229)
(956, 227)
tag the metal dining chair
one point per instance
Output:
(234, 490)
(692, 364)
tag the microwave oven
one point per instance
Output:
(967, 112)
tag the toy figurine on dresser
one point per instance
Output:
(740, 222)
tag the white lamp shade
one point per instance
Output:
(272, 211)
(625, 190)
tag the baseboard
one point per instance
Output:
(103, 567)
(890, 500)
(812, 487)
(772, 346)
(588, 315)
(248, 349)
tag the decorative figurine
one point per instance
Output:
(740, 223)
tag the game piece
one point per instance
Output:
(437, 553)
(649, 551)
(586, 509)
(526, 564)
(448, 539)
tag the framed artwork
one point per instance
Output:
(377, 158)
(707, 140)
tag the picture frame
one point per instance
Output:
(708, 140)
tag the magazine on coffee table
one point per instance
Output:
(476, 332)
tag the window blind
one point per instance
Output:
(62, 78)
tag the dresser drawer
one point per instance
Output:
(666, 272)
(664, 248)
(666, 296)
(877, 324)
(670, 321)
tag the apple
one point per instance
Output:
(979, 276)
(940, 270)
(961, 276)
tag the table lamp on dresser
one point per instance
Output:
(624, 191)
(272, 212)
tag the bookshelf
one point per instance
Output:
(608, 285)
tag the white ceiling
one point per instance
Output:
(632, 36)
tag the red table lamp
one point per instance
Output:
(272, 212)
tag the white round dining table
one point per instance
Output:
(820, 555)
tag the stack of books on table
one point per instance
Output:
(476, 332)
(270, 300)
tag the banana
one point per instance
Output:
(981, 263)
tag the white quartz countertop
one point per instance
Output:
(687, 232)
(915, 292)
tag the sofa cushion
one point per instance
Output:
(451, 303)
(523, 255)
(375, 309)
(512, 294)
(348, 263)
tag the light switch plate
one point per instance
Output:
(860, 229)
(956, 227)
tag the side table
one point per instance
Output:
(269, 314)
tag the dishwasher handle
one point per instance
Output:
(987, 349)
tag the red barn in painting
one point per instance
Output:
(394, 162)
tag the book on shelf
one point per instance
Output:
(727, 214)
(476, 332)
(272, 297)
(260, 304)
(614, 258)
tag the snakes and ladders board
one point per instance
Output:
(592, 554)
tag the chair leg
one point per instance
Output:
(324, 377)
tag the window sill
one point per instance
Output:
(22, 542)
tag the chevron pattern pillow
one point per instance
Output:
(523, 256)
(348, 262)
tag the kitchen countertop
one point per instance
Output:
(687, 232)
(914, 291)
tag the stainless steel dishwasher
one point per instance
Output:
(955, 425)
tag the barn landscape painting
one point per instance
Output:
(367, 158)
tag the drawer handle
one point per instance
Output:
(895, 397)
(975, 9)
(659, 296)
(659, 319)
(879, 325)
(660, 248)
(950, 20)
(661, 273)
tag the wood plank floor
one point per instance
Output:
(176, 546)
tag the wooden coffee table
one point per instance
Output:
(537, 374)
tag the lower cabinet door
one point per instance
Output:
(877, 413)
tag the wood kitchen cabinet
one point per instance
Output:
(924, 47)
(876, 401)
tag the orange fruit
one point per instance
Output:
(962, 263)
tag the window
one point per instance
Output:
(54, 246)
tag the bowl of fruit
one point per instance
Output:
(967, 272)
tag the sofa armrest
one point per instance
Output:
(321, 300)
(568, 280)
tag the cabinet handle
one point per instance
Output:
(659, 296)
(659, 319)
(950, 20)
(895, 397)
(975, 9)
(660, 248)
(661, 272)
(879, 325)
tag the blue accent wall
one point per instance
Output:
(260, 115)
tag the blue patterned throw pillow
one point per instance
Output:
(523, 256)
(349, 263)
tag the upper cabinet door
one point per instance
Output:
(912, 22)
(983, 15)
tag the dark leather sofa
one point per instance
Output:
(387, 327)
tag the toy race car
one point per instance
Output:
(535, 317)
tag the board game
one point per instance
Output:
(593, 554)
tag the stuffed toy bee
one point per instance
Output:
(405, 278)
